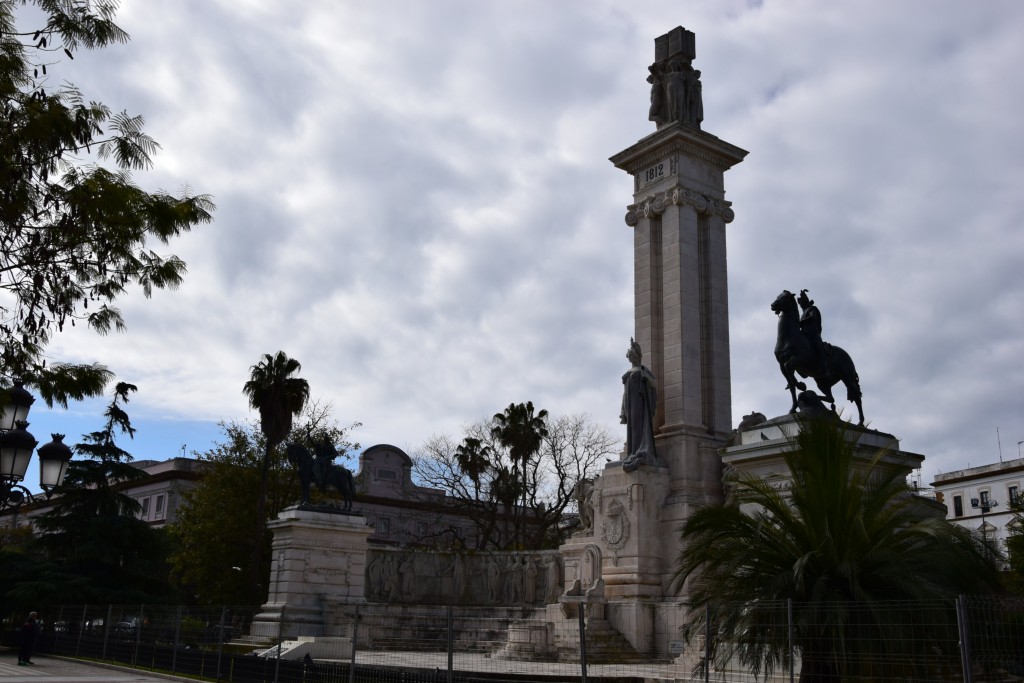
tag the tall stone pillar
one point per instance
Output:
(678, 216)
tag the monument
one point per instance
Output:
(319, 559)
(676, 394)
(618, 569)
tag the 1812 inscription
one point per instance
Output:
(654, 173)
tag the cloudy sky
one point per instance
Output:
(415, 201)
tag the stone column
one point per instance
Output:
(678, 215)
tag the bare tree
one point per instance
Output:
(473, 472)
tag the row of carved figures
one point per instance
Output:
(477, 579)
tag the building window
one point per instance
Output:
(984, 498)
(384, 525)
(158, 512)
(1012, 494)
(145, 508)
(958, 506)
(421, 529)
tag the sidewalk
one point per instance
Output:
(47, 669)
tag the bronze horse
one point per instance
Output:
(321, 470)
(796, 355)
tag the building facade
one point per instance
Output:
(980, 498)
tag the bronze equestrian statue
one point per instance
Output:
(800, 350)
(321, 470)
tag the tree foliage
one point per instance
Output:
(515, 501)
(213, 530)
(93, 547)
(278, 395)
(75, 231)
(1014, 577)
(843, 541)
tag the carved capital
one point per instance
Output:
(728, 215)
(632, 217)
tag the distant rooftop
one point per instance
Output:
(973, 472)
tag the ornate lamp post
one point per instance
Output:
(985, 504)
(16, 446)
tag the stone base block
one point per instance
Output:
(529, 639)
(319, 561)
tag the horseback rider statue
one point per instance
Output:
(800, 349)
(322, 470)
(810, 325)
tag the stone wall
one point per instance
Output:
(420, 577)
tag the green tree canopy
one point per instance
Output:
(1014, 578)
(75, 231)
(91, 537)
(521, 432)
(843, 541)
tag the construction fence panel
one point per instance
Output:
(967, 639)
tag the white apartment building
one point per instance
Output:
(979, 498)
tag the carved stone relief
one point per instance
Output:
(405, 576)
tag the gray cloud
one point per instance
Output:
(415, 201)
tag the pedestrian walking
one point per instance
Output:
(29, 635)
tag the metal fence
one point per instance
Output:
(971, 639)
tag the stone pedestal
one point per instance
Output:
(319, 562)
(628, 509)
(759, 450)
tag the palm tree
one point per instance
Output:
(474, 459)
(843, 542)
(278, 396)
(522, 432)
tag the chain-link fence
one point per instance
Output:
(971, 639)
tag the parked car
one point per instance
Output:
(127, 626)
(219, 633)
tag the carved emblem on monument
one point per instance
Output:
(615, 526)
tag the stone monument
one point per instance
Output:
(318, 557)
(677, 403)
(680, 393)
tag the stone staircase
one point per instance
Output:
(605, 645)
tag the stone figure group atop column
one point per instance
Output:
(676, 91)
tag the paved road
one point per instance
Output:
(60, 670)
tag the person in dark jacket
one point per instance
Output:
(29, 635)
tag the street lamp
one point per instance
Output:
(16, 446)
(985, 505)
